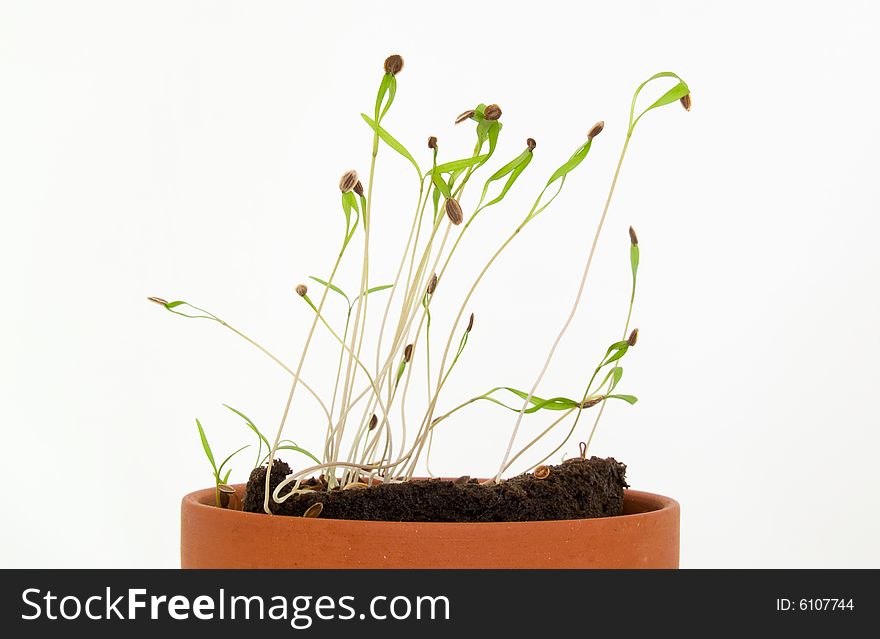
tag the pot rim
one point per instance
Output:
(648, 505)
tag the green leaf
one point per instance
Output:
(513, 168)
(226, 476)
(634, 260)
(620, 352)
(174, 304)
(629, 399)
(618, 374)
(387, 87)
(250, 425)
(537, 403)
(673, 95)
(299, 450)
(388, 139)
(442, 187)
(572, 163)
(207, 447)
(349, 204)
(457, 165)
(226, 461)
(559, 175)
(614, 376)
(332, 287)
(376, 289)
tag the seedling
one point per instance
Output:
(367, 435)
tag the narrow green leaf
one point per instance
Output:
(634, 260)
(514, 168)
(207, 447)
(251, 425)
(389, 139)
(554, 403)
(299, 450)
(226, 476)
(376, 289)
(618, 374)
(672, 95)
(617, 355)
(174, 304)
(226, 461)
(457, 165)
(387, 87)
(629, 399)
(572, 163)
(442, 188)
(332, 287)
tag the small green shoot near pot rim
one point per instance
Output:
(369, 431)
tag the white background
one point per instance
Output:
(192, 149)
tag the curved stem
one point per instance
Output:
(571, 313)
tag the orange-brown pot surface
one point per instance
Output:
(645, 536)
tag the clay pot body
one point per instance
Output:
(645, 536)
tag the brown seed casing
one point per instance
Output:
(470, 325)
(686, 102)
(633, 237)
(633, 337)
(407, 352)
(453, 211)
(492, 112)
(373, 422)
(355, 485)
(432, 142)
(348, 181)
(596, 130)
(432, 284)
(393, 64)
(531, 144)
(467, 115)
(542, 472)
(301, 290)
(314, 510)
(158, 300)
(358, 189)
(592, 402)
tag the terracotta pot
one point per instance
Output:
(645, 536)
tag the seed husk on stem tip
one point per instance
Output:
(407, 352)
(393, 64)
(633, 237)
(633, 337)
(470, 325)
(302, 290)
(374, 421)
(467, 115)
(432, 284)
(531, 144)
(686, 102)
(348, 181)
(358, 188)
(432, 142)
(492, 112)
(453, 211)
(596, 130)
(158, 300)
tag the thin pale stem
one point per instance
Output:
(571, 313)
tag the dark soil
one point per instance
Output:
(577, 489)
